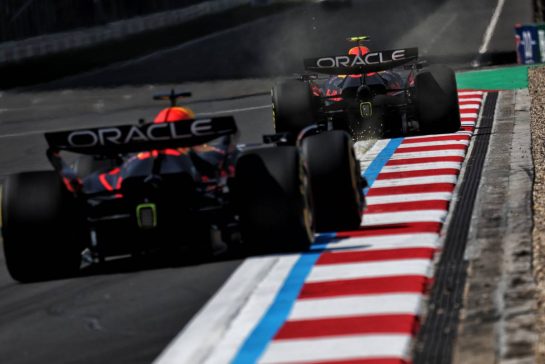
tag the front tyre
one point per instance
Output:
(42, 226)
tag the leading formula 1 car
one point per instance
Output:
(369, 94)
(178, 182)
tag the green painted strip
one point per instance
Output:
(505, 78)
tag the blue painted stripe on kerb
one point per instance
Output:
(269, 325)
(381, 159)
(255, 344)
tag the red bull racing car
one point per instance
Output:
(178, 182)
(369, 94)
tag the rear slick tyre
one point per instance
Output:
(293, 107)
(43, 231)
(335, 180)
(273, 200)
(437, 100)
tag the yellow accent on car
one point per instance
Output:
(146, 215)
(358, 38)
(366, 110)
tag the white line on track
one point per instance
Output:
(401, 267)
(491, 27)
(470, 106)
(424, 180)
(370, 304)
(424, 240)
(434, 143)
(388, 218)
(463, 94)
(435, 136)
(337, 348)
(478, 101)
(235, 111)
(421, 167)
(408, 197)
(435, 153)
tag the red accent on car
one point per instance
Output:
(104, 181)
(173, 114)
(171, 152)
(67, 184)
(333, 93)
(119, 182)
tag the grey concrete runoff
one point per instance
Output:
(500, 307)
(58, 42)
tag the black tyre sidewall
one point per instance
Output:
(437, 100)
(335, 181)
(42, 227)
(271, 195)
(294, 107)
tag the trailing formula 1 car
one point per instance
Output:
(178, 182)
(369, 94)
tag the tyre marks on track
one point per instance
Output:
(357, 296)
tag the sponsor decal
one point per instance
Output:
(133, 138)
(136, 134)
(367, 59)
(372, 61)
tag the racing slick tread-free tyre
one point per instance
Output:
(437, 100)
(293, 106)
(273, 200)
(335, 180)
(42, 230)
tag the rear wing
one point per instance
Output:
(135, 138)
(370, 62)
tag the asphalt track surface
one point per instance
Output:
(128, 312)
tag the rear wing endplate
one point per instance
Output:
(370, 62)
